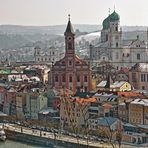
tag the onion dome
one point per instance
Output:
(114, 17)
(106, 23)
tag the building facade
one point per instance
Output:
(71, 72)
(138, 76)
(112, 48)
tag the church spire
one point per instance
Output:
(69, 28)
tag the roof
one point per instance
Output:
(107, 121)
(111, 18)
(140, 66)
(69, 28)
(5, 71)
(47, 111)
(143, 102)
(130, 94)
(109, 84)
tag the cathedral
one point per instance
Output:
(113, 49)
(71, 72)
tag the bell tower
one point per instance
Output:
(69, 38)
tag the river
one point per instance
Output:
(14, 144)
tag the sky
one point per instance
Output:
(55, 12)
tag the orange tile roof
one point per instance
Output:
(129, 94)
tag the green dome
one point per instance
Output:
(114, 17)
(106, 23)
(111, 18)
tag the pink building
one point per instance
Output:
(71, 72)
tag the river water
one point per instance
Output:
(13, 144)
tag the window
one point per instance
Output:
(70, 63)
(138, 56)
(69, 45)
(134, 79)
(63, 78)
(70, 78)
(116, 29)
(143, 88)
(38, 59)
(85, 78)
(78, 78)
(147, 77)
(56, 78)
(106, 37)
(85, 89)
(117, 44)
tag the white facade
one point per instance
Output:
(112, 48)
(34, 104)
(51, 56)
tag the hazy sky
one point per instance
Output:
(54, 12)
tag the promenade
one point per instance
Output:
(59, 137)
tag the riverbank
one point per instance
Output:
(48, 139)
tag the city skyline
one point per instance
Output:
(54, 12)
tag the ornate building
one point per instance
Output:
(71, 72)
(112, 48)
(51, 56)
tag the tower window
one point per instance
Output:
(116, 28)
(69, 45)
(106, 37)
(70, 63)
(138, 56)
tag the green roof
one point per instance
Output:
(114, 17)
(111, 18)
(5, 72)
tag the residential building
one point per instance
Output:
(138, 111)
(74, 111)
(35, 102)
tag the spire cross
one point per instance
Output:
(114, 8)
(69, 17)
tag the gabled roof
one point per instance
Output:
(107, 121)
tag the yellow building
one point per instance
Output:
(138, 111)
(119, 86)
